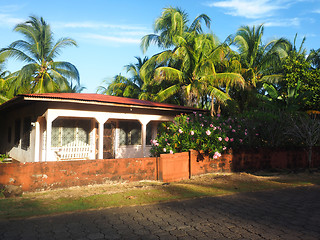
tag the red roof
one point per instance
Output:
(91, 97)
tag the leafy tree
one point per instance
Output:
(41, 73)
(298, 71)
(291, 100)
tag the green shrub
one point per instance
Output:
(195, 131)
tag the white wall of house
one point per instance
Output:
(18, 148)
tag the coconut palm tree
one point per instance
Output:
(259, 63)
(258, 60)
(126, 87)
(189, 72)
(172, 23)
(41, 73)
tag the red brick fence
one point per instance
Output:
(168, 167)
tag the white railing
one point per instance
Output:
(74, 150)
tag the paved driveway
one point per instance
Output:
(282, 214)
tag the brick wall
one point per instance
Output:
(264, 158)
(167, 168)
(46, 175)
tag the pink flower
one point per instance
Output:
(200, 115)
(226, 139)
(164, 149)
(245, 133)
(220, 139)
(180, 131)
(224, 148)
(154, 142)
(201, 124)
(230, 126)
(171, 151)
(233, 130)
(257, 134)
(216, 155)
(231, 139)
(240, 140)
(208, 132)
(192, 132)
(218, 115)
(211, 125)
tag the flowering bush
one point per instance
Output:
(195, 131)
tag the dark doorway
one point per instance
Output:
(108, 140)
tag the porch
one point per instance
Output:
(62, 134)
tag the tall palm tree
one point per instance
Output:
(189, 71)
(172, 23)
(41, 73)
(259, 63)
(258, 60)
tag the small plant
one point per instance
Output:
(4, 157)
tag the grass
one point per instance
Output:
(35, 204)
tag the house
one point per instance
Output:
(62, 126)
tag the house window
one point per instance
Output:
(65, 131)
(130, 133)
(17, 128)
(149, 133)
(25, 142)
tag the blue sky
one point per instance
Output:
(108, 32)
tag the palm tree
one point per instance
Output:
(6, 79)
(189, 72)
(172, 23)
(121, 87)
(126, 87)
(314, 58)
(259, 63)
(41, 73)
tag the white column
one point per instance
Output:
(101, 120)
(48, 138)
(37, 142)
(144, 136)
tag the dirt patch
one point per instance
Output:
(111, 187)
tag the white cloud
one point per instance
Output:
(98, 25)
(106, 33)
(7, 20)
(112, 39)
(295, 22)
(316, 11)
(252, 8)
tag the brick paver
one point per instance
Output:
(281, 214)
